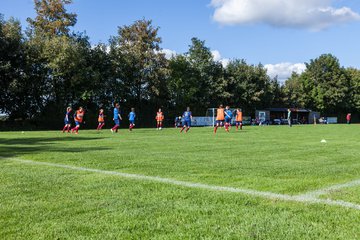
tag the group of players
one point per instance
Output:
(223, 118)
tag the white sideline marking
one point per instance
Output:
(332, 188)
(305, 198)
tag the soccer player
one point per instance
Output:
(220, 117)
(159, 119)
(101, 120)
(177, 122)
(289, 118)
(78, 117)
(239, 119)
(132, 116)
(348, 118)
(228, 117)
(67, 120)
(116, 118)
(187, 116)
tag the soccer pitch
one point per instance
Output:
(271, 182)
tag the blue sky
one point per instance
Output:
(281, 34)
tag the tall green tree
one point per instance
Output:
(328, 84)
(354, 98)
(196, 80)
(249, 85)
(52, 18)
(294, 93)
(324, 86)
(64, 56)
(11, 64)
(182, 83)
(20, 96)
(140, 69)
(208, 73)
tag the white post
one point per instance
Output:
(213, 110)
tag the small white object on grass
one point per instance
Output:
(323, 141)
(22, 132)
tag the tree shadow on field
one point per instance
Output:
(15, 147)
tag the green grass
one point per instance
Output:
(350, 194)
(44, 202)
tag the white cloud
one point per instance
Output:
(310, 14)
(216, 55)
(218, 58)
(168, 53)
(284, 70)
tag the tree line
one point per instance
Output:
(48, 67)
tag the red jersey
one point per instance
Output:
(220, 116)
(159, 116)
(101, 118)
(79, 115)
(239, 117)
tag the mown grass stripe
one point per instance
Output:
(303, 198)
(332, 188)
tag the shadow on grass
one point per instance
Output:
(15, 147)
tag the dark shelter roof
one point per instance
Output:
(292, 109)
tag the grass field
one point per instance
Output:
(151, 184)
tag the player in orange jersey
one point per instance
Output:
(159, 119)
(220, 117)
(101, 120)
(239, 119)
(78, 117)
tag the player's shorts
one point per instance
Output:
(219, 122)
(238, 122)
(187, 123)
(228, 120)
(101, 122)
(67, 122)
(132, 121)
(117, 121)
(77, 123)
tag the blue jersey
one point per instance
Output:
(132, 116)
(116, 113)
(187, 116)
(67, 116)
(228, 114)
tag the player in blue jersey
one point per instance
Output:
(116, 118)
(132, 116)
(67, 120)
(187, 116)
(228, 117)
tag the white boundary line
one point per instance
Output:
(311, 197)
(327, 190)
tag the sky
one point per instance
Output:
(280, 34)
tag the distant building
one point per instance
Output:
(279, 115)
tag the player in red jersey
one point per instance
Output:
(220, 117)
(239, 119)
(101, 120)
(159, 119)
(78, 117)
